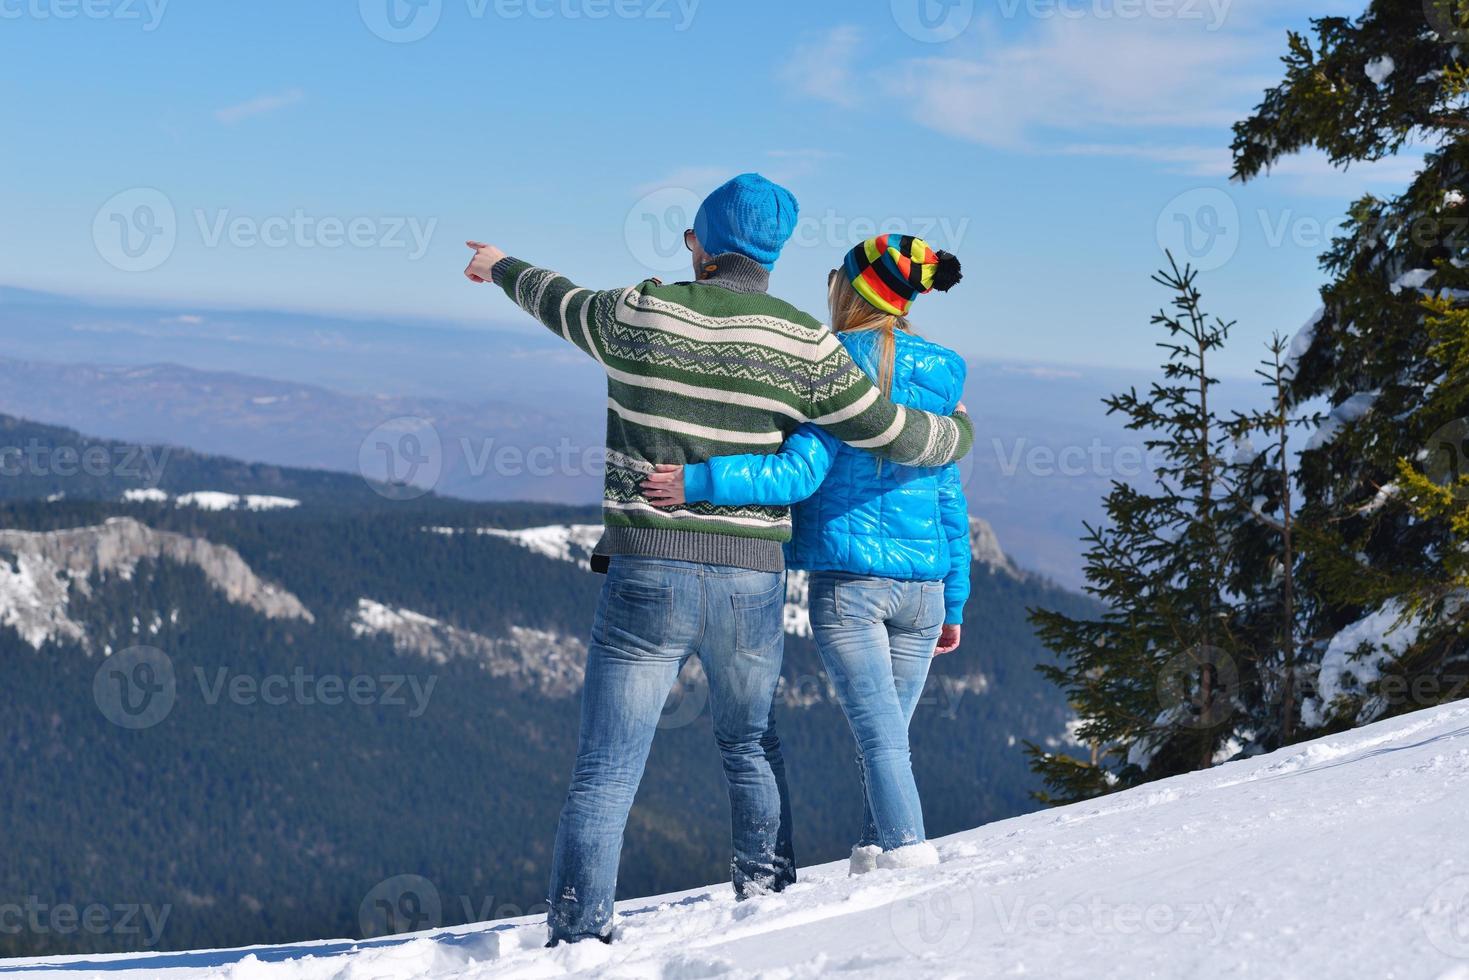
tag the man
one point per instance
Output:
(698, 369)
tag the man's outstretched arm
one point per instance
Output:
(566, 309)
(846, 403)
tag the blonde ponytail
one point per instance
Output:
(849, 311)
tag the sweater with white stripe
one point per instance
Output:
(715, 368)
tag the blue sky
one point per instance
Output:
(335, 156)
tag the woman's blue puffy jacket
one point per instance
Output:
(864, 516)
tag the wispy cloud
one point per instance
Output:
(1196, 161)
(825, 68)
(1079, 80)
(1074, 77)
(259, 106)
(1310, 170)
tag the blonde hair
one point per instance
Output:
(849, 311)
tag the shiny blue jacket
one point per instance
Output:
(852, 512)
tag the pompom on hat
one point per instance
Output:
(890, 271)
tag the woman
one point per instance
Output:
(887, 546)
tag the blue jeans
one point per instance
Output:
(653, 615)
(877, 638)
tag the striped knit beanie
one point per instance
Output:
(889, 271)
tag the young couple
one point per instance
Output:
(725, 406)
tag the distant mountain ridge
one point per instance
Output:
(519, 447)
(303, 389)
(311, 427)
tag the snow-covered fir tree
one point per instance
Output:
(1381, 522)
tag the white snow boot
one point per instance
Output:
(864, 858)
(920, 855)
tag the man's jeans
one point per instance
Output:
(877, 638)
(653, 615)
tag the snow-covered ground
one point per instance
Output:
(1344, 857)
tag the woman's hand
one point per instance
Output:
(664, 486)
(485, 257)
(948, 640)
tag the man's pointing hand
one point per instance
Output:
(485, 257)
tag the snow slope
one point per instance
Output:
(1344, 857)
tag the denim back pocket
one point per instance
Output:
(931, 606)
(861, 600)
(759, 620)
(636, 614)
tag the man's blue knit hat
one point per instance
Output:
(749, 215)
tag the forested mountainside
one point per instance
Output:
(284, 689)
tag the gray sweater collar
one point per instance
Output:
(736, 272)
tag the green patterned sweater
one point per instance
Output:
(713, 368)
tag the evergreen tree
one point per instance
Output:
(1154, 679)
(1264, 560)
(1379, 575)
